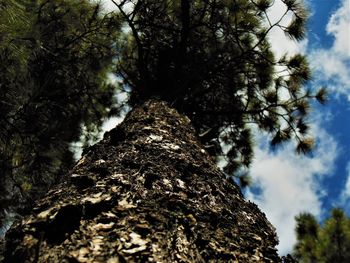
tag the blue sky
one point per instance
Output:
(287, 184)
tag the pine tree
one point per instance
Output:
(212, 61)
(148, 192)
(329, 242)
(55, 57)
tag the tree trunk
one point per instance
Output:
(148, 192)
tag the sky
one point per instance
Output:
(286, 184)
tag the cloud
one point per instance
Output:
(281, 43)
(331, 69)
(289, 184)
(338, 26)
(332, 66)
(107, 5)
(345, 194)
(111, 123)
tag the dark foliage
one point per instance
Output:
(326, 243)
(55, 56)
(212, 61)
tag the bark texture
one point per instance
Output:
(148, 192)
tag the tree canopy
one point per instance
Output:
(212, 60)
(55, 56)
(323, 243)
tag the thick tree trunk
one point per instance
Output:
(148, 192)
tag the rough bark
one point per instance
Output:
(148, 192)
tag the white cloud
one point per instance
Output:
(289, 183)
(107, 5)
(345, 194)
(332, 66)
(281, 43)
(107, 125)
(111, 123)
(339, 27)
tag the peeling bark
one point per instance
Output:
(148, 192)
